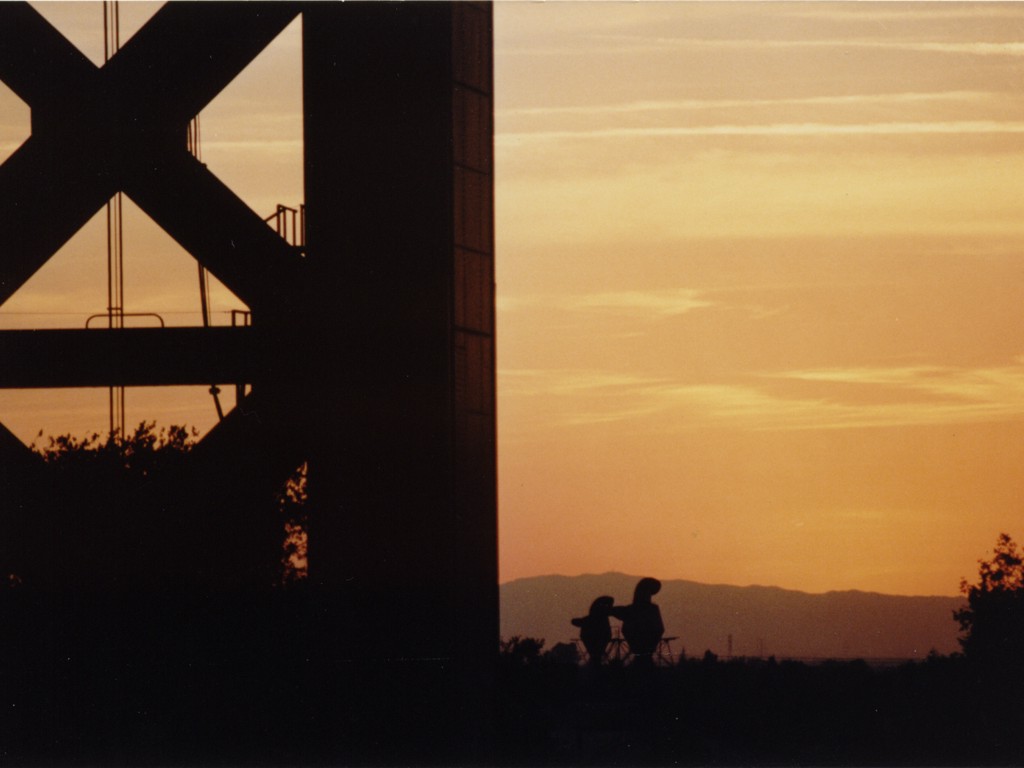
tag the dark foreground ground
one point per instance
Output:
(942, 711)
(223, 682)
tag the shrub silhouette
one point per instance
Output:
(563, 653)
(87, 517)
(120, 624)
(111, 514)
(993, 620)
(521, 651)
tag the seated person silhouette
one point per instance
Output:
(595, 630)
(642, 627)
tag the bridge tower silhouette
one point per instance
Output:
(370, 352)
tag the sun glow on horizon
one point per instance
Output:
(758, 282)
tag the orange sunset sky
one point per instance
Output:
(760, 270)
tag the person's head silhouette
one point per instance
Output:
(602, 605)
(646, 588)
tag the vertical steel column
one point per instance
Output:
(399, 188)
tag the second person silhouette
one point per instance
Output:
(642, 626)
(595, 630)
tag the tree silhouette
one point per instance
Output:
(993, 620)
(106, 513)
(84, 515)
(293, 509)
(112, 617)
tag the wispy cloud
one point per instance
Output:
(904, 397)
(959, 48)
(574, 397)
(560, 382)
(652, 303)
(626, 44)
(751, 408)
(882, 10)
(629, 44)
(683, 105)
(964, 127)
(994, 390)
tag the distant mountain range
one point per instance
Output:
(764, 621)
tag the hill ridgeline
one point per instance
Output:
(763, 621)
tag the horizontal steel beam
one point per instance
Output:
(134, 357)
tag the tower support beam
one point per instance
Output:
(370, 357)
(130, 357)
(398, 142)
